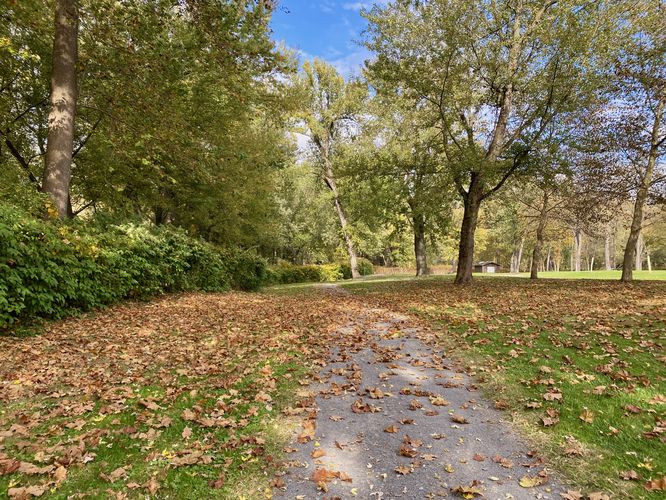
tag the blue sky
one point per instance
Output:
(328, 29)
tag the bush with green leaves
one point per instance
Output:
(365, 268)
(50, 269)
(285, 273)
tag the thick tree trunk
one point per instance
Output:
(642, 194)
(541, 229)
(58, 163)
(467, 230)
(342, 218)
(420, 245)
(536, 256)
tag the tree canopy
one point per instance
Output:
(477, 131)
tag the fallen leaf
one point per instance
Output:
(470, 491)
(26, 492)
(586, 416)
(531, 481)
(219, 482)
(60, 474)
(404, 470)
(459, 419)
(658, 484)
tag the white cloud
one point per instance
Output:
(367, 4)
(352, 63)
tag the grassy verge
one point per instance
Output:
(656, 275)
(182, 397)
(580, 364)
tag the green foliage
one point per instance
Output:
(246, 270)
(51, 270)
(365, 268)
(285, 273)
(194, 138)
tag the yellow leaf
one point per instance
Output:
(530, 482)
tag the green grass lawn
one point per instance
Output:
(590, 275)
(580, 365)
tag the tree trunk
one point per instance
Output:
(467, 230)
(640, 245)
(541, 228)
(517, 257)
(58, 163)
(578, 248)
(649, 261)
(592, 264)
(642, 193)
(344, 225)
(607, 249)
(420, 245)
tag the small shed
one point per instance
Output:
(487, 267)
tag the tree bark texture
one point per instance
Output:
(467, 230)
(420, 244)
(58, 163)
(640, 247)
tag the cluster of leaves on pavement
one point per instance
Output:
(180, 397)
(581, 365)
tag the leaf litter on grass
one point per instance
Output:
(183, 382)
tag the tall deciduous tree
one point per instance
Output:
(493, 74)
(60, 145)
(331, 108)
(641, 98)
(399, 154)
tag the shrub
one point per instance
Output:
(365, 268)
(285, 273)
(50, 269)
(247, 271)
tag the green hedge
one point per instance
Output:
(285, 273)
(50, 270)
(365, 268)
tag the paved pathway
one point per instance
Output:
(392, 419)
